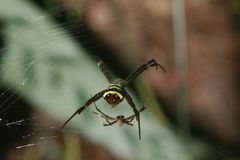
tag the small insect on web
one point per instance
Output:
(119, 120)
(116, 92)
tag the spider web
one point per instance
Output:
(17, 112)
(46, 75)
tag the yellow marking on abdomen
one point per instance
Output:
(113, 92)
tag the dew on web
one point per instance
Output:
(41, 141)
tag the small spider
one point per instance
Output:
(116, 92)
(119, 120)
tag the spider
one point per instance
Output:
(119, 120)
(116, 92)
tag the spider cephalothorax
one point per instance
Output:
(116, 93)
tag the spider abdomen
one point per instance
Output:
(114, 95)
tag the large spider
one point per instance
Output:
(116, 92)
(119, 120)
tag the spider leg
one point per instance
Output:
(103, 114)
(104, 69)
(136, 112)
(128, 123)
(131, 118)
(142, 109)
(109, 123)
(73, 115)
(98, 114)
(79, 111)
(151, 63)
